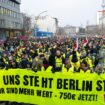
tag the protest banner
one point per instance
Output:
(45, 88)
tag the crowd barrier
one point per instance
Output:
(43, 88)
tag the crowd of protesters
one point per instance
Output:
(54, 55)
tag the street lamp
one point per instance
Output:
(42, 13)
(37, 17)
(103, 6)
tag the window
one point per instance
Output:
(0, 0)
(12, 14)
(17, 5)
(17, 15)
(2, 22)
(13, 4)
(3, 0)
(9, 12)
(1, 10)
(8, 2)
(4, 10)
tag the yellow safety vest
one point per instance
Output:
(64, 56)
(47, 70)
(87, 71)
(89, 61)
(76, 65)
(5, 61)
(64, 69)
(18, 59)
(58, 62)
(29, 59)
(104, 63)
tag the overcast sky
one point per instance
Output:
(68, 12)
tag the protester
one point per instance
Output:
(84, 67)
(68, 67)
(54, 54)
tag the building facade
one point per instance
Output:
(10, 18)
(92, 29)
(46, 26)
(70, 30)
(101, 22)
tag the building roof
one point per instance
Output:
(16, 1)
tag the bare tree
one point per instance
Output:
(26, 23)
(61, 31)
(93, 30)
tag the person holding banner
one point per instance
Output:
(58, 62)
(86, 57)
(75, 60)
(46, 67)
(84, 67)
(2, 63)
(51, 53)
(99, 69)
(37, 63)
(68, 67)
